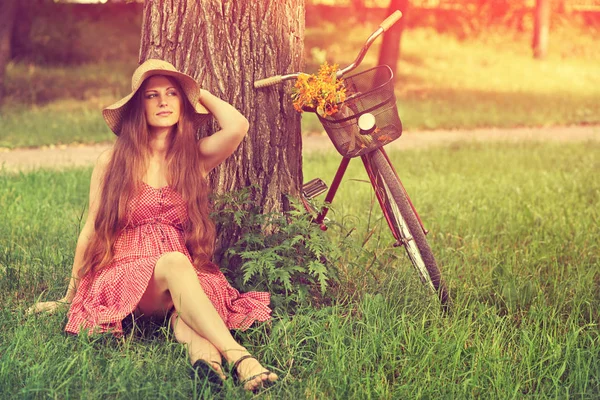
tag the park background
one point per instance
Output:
(514, 225)
(461, 66)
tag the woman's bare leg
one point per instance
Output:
(198, 348)
(174, 282)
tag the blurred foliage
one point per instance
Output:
(65, 34)
(462, 18)
(39, 38)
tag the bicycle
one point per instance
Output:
(370, 121)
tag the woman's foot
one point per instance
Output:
(199, 349)
(208, 373)
(251, 375)
(213, 368)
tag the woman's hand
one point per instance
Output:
(49, 307)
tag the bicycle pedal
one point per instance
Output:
(313, 188)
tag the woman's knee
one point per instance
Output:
(172, 262)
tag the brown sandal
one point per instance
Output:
(236, 378)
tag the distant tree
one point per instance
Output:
(226, 46)
(360, 10)
(8, 11)
(541, 28)
(389, 53)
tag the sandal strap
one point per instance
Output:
(235, 373)
(201, 361)
(237, 363)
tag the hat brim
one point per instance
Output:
(114, 113)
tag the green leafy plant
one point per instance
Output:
(282, 253)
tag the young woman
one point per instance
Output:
(146, 246)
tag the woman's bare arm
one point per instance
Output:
(84, 236)
(234, 126)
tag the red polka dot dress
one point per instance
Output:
(156, 218)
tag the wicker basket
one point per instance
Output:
(370, 91)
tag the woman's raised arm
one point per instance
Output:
(234, 126)
(84, 236)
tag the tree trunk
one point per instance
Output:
(541, 28)
(8, 11)
(226, 45)
(389, 54)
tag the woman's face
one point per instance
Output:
(162, 103)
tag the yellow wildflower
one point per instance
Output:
(322, 92)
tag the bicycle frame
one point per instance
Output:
(398, 210)
(384, 26)
(337, 180)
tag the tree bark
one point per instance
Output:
(389, 54)
(541, 28)
(226, 45)
(8, 11)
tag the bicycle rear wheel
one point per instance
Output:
(404, 223)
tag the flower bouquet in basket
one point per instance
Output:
(324, 94)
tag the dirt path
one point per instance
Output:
(80, 155)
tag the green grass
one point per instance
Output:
(59, 105)
(514, 226)
(488, 83)
(490, 80)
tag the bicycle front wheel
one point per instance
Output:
(404, 222)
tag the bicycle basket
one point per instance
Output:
(370, 91)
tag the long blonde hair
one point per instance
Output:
(125, 171)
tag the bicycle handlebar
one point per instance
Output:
(383, 27)
(268, 81)
(391, 20)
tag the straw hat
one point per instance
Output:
(113, 114)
